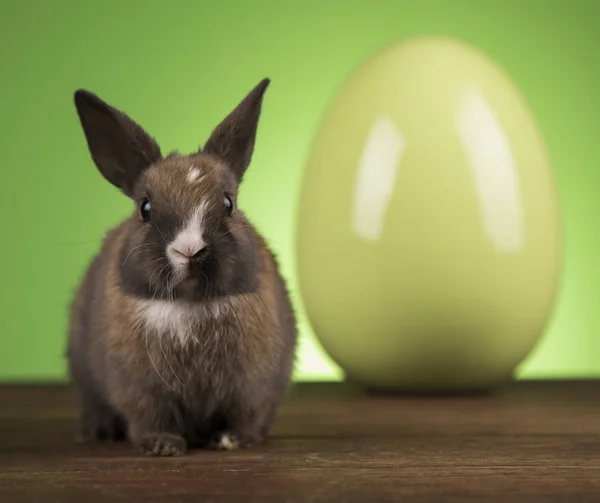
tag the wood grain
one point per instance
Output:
(531, 442)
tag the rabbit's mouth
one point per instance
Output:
(198, 276)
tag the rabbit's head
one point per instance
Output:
(186, 236)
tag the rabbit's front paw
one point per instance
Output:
(163, 444)
(225, 441)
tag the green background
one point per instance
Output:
(178, 67)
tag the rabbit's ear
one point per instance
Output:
(121, 149)
(233, 139)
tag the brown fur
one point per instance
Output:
(221, 385)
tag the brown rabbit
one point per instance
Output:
(182, 332)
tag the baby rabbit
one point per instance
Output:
(182, 332)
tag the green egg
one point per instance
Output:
(429, 242)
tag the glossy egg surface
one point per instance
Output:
(429, 245)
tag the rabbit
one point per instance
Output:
(182, 332)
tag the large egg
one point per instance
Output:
(429, 245)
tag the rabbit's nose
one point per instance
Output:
(189, 251)
(199, 255)
(188, 244)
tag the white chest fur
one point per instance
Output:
(176, 320)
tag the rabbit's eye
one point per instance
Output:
(145, 210)
(228, 204)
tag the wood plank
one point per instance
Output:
(531, 442)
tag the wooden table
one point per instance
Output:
(532, 442)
